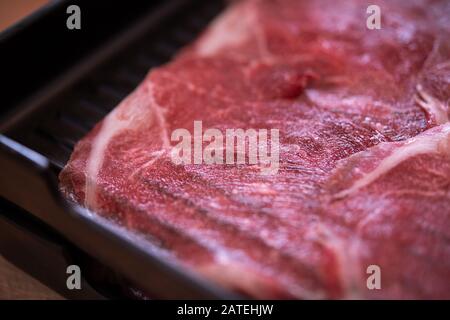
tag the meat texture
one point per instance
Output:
(364, 170)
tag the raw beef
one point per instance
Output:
(364, 172)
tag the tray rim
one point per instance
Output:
(39, 175)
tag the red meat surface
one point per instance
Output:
(364, 173)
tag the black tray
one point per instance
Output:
(59, 83)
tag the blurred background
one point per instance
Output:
(14, 283)
(12, 11)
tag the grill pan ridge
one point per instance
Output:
(39, 135)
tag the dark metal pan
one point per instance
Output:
(60, 82)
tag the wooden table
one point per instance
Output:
(15, 284)
(13, 10)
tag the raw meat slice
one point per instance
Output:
(363, 177)
(395, 196)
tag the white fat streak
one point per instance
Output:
(347, 257)
(133, 112)
(244, 276)
(435, 140)
(158, 111)
(435, 108)
(230, 29)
